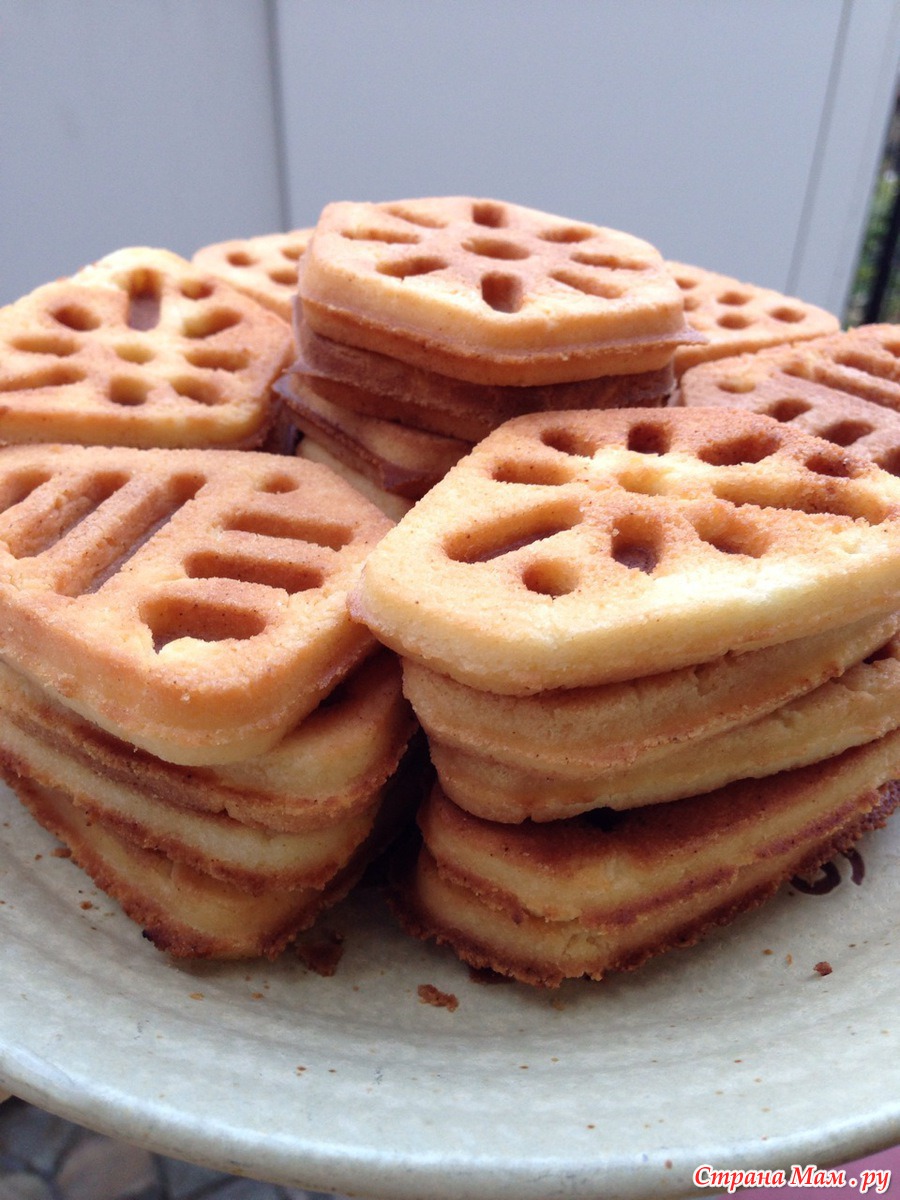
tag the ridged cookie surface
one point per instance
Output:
(191, 602)
(844, 388)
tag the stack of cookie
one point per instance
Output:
(421, 325)
(653, 653)
(184, 699)
(140, 349)
(844, 387)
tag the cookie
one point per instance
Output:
(588, 896)
(139, 349)
(574, 549)
(400, 461)
(857, 707)
(490, 292)
(844, 388)
(264, 267)
(375, 385)
(741, 318)
(583, 732)
(191, 602)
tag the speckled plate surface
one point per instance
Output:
(736, 1053)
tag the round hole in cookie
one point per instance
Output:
(734, 298)
(604, 289)
(496, 248)
(845, 433)
(290, 577)
(740, 451)
(734, 385)
(210, 322)
(77, 317)
(489, 213)
(277, 485)
(42, 343)
(494, 538)
(127, 392)
(788, 409)
(636, 542)
(170, 620)
(217, 358)
(567, 234)
(730, 534)
(857, 360)
(834, 466)
(502, 292)
(284, 276)
(294, 251)
(197, 289)
(135, 352)
(415, 216)
(647, 437)
(551, 577)
(787, 314)
(550, 474)
(201, 391)
(240, 258)
(569, 441)
(734, 321)
(890, 461)
(53, 375)
(407, 268)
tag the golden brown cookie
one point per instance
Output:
(741, 318)
(490, 292)
(139, 349)
(581, 548)
(191, 602)
(398, 460)
(583, 732)
(376, 385)
(857, 707)
(844, 388)
(591, 895)
(264, 266)
(184, 911)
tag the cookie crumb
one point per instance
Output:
(429, 994)
(322, 955)
(823, 968)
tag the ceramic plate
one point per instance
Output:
(736, 1054)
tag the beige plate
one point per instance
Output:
(735, 1054)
